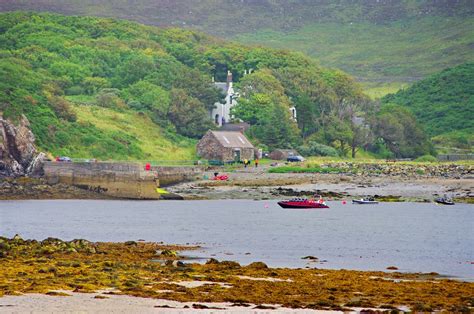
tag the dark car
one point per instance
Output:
(295, 159)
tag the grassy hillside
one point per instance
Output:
(151, 140)
(384, 44)
(115, 89)
(444, 103)
(392, 54)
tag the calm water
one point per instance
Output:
(413, 237)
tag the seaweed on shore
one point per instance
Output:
(130, 268)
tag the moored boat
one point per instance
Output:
(302, 203)
(365, 201)
(444, 201)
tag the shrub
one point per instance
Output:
(74, 90)
(426, 158)
(317, 149)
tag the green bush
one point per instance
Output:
(426, 158)
(317, 149)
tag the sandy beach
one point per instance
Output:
(103, 303)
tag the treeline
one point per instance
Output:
(48, 61)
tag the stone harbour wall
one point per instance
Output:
(171, 175)
(122, 180)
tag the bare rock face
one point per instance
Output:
(18, 154)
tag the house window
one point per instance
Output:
(216, 119)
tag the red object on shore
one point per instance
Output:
(147, 167)
(302, 203)
(222, 177)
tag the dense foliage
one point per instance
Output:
(385, 43)
(53, 68)
(444, 103)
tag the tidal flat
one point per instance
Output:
(153, 270)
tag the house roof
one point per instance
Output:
(222, 86)
(236, 127)
(232, 139)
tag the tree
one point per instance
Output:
(266, 107)
(135, 68)
(188, 114)
(399, 130)
(279, 131)
(338, 132)
(93, 84)
(148, 97)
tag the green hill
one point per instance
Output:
(115, 89)
(444, 103)
(384, 44)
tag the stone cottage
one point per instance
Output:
(225, 146)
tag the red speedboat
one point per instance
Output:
(302, 203)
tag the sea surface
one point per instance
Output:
(414, 237)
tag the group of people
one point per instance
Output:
(247, 163)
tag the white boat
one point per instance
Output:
(365, 201)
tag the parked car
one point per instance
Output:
(295, 158)
(63, 158)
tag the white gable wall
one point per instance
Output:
(223, 110)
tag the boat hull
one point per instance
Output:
(304, 205)
(444, 202)
(362, 202)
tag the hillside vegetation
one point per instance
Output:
(444, 103)
(114, 89)
(92, 86)
(384, 44)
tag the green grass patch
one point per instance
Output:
(296, 169)
(152, 141)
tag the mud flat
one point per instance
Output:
(259, 184)
(61, 269)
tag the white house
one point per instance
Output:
(221, 113)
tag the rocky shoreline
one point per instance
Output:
(384, 181)
(25, 188)
(156, 271)
(260, 185)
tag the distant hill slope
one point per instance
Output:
(384, 43)
(115, 89)
(443, 102)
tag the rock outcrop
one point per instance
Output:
(18, 154)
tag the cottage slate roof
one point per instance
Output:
(222, 86)
(232, 139)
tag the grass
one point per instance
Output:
(390, 55)
(152, 140)
(300, 169)
(376, 90)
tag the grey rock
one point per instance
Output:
(18, 154)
